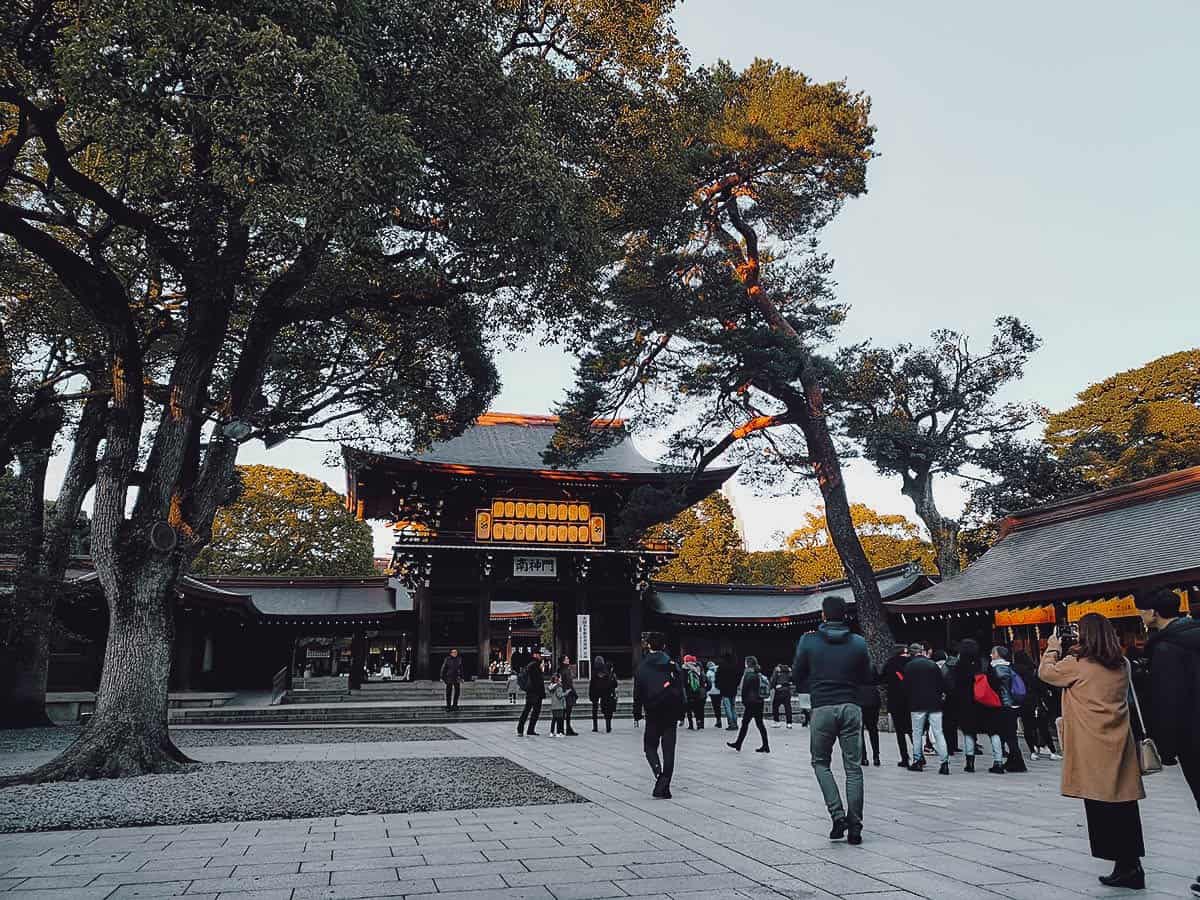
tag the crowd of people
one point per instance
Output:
(1077, 704)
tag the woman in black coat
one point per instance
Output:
(962, 698)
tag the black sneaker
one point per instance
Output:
(944, 769)
(903, 764)
(854, 837)
(838, 831)
(917, 766)
(1196, 887)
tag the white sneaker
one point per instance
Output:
(1055, 756)
(1033, 756)
(789, 724)
(775, 724)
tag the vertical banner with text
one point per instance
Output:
(583, 644)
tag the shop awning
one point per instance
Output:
(1104, 545)
(758, 604)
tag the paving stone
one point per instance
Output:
(591, 890)
(470, 883)
(375, 889)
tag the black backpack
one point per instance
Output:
(523, 680)
(663, 694)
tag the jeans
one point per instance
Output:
(716, 705)
(730, 711)
(452, 691)
(934, 719)
(664, 732)
(784, 699)
(970, 744)
(841, 723)
(533, 709)
(752, 712)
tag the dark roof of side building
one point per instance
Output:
(1110, 543)
(755, 603)
(284, 599)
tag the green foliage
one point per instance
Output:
(543, 617)
(674, 343)
(286, 523)
(705, 537)
(1134, 424)
(773, 567)
(888, 540)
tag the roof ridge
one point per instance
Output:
(1081, 506)
(818, 587)
(538, 420)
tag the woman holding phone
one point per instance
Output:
(1100, 764)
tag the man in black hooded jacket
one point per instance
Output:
(658, 691)
(1174, 654)
(835, 664)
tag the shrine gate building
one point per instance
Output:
(480, 519)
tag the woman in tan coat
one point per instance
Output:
(1100, 763)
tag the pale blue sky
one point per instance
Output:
(1037, 159)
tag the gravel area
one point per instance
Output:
(222, 792)
(31, 740)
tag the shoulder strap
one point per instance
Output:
(1133, 692)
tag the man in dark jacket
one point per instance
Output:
(897, 700)
(729, 676)
(1174, 708)
(1173, 713)
(535, 693)
(926, 689)
(658, 692)
(452, 670)
(835, 664)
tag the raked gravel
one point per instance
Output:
(31, 740)
(223, 792)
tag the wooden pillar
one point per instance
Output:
(564, 618)
(424, 605)
(483, 624)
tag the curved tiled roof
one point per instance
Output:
(1105, 544)
(744, 602)
(516, 443)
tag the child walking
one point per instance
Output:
(513, 687)
(558, 706)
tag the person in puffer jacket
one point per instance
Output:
(714, 692)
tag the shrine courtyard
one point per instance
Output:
(508, 817)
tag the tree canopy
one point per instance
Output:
(925, 412)
(705, 536)
(284, 217)
(887, 539)
(286, 523)
(1134, 424)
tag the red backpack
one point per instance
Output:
(985, 694)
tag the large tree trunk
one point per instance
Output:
(872, 616)
(943, 531)
(127, 734)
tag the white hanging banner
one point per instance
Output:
(583, 644)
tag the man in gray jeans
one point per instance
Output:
(834, 662)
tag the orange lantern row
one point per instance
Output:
(541, 510)
(487, 528)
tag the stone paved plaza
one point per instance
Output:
(740, 825)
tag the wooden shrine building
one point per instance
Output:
(480, 519)
(1058, 562)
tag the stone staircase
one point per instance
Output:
(337, 690)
